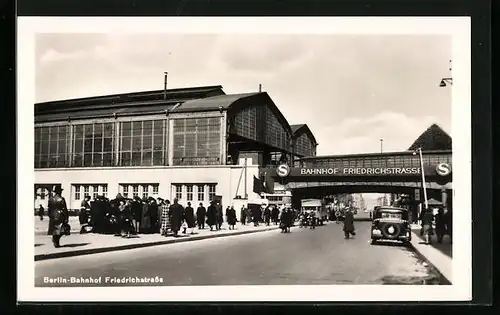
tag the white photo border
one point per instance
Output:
(457, 27)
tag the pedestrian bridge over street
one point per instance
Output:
(371, 172)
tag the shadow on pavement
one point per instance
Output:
(75, 245)
(36, 245)
(390, 244)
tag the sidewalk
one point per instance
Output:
(437, 255)
(41, 227)
(84, 244)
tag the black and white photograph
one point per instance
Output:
(241, 159)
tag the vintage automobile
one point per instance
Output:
(390, 224)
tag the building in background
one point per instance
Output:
(190, 143)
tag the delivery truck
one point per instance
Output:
(318, 207)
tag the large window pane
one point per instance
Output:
(196, 141)
(140, 143)
(126, 143)
(136, 128)
(107, 159)
(87, 159)
(126, 129)
(147, 142)
(136, 158)
(158, 158)
(147, 158)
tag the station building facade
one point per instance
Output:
(195, 144)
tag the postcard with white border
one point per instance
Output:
(244, 159)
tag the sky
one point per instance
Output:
(350, 90)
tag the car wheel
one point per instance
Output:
(373, 242)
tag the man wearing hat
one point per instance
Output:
(58, 216)
(177, 215)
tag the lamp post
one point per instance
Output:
(424, 186)
(381, 145)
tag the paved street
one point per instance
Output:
(320, 256)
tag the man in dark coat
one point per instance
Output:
(348, 223)
(136, 213)
(201, 213)
(58, 216)
(220, 216)
(267, 215)
(145, 217)
(426, 216)
(189, 217)
(275, 214)
(41, 211)
(153, 214)
(256, 215)
(211, 215)
(243, 215)
(94, 215)
(177, 214)
(84, 214)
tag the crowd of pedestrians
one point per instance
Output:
(130, 216)
(125, 217)
(439, 223)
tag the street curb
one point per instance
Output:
(141, 245)
(422, 256)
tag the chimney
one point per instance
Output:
(165, 87)
(260, 88)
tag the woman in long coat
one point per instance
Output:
(145, 218)
(349, 224)
(211, 215)
(165, 218)
(189, 217)
(231, 217)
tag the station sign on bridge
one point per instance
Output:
(403, 167)
(283, 170)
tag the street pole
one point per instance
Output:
(246, 193)
(424, 186)
(381, 145)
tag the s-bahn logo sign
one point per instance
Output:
(283, 170)
(443, 169)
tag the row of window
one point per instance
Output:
(82, 191)
(196, 141)
(189, 190)
(182, 191)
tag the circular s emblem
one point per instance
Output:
(443, 169)
(283, 170)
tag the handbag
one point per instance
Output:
(65, 229)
